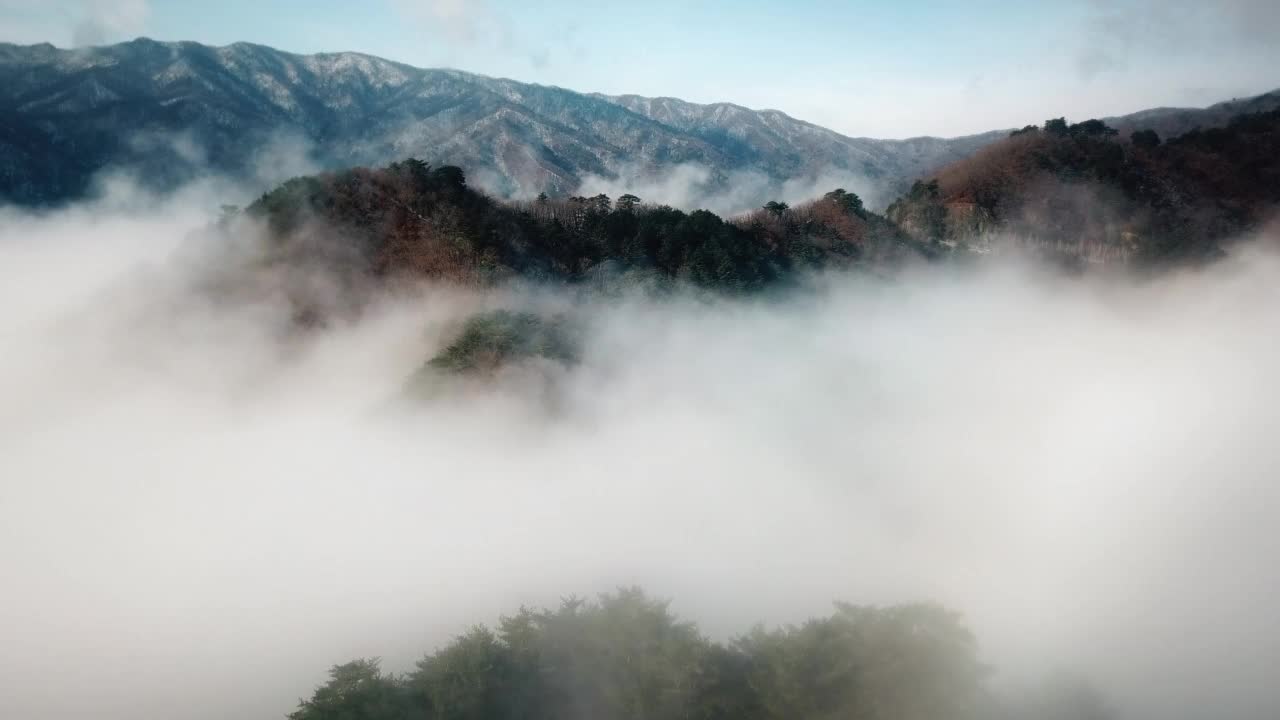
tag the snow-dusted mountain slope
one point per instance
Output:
(163, 108)
(166, 109)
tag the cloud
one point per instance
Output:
(1114, 31)
(75, 22)
(107, 21)
(460, 20)
(473, 26)
(1084, 467)
(692, 186)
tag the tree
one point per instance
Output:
(491, 339)
(542, 197)
(921, 211)
(451, 176)
(358, 690)
(847, 201)
(626, 656)
(627, 203)
(416, 167)
(1092, 128)
(1056, 126)
(470, 679)
(776, 208)
(438, 228)
(1145, 139)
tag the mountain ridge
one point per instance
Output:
(67, 115)
(519, 138)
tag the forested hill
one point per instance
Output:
(1080, 191)
(625, 656)
(414, 220)
(1171, 122)
(1086, 192)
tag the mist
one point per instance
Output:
(200, 510)
(692, 186)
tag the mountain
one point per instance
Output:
(167, 109)
(1170, 122)
(800, 147)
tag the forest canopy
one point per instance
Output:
(1076, 189)
(626, 656)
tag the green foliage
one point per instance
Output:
(290, 203)
(1058, 127)
(359, 690)
(493, 339)
(625, 656)
(775, 208)
(921, 211)
(627, 202)
(471, 679)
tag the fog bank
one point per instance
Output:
(199, 513)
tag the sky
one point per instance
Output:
(878, 69)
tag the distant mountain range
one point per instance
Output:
(168, 110)
(66, 114)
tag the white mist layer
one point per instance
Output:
(198, 517)
(691, 186)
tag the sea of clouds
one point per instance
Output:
(202, 509)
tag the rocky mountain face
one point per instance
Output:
(166, 109)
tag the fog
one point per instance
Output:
(693, 186)
(200, 511)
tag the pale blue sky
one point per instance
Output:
(885, 69)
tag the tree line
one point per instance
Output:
(411, 219)
(626, 656)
